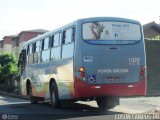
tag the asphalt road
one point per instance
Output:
(19, 109)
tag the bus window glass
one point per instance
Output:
(55, 53)
(46, 43)
(60, 38)
(30, 55)
(37, 46)
(52, 41)
(33, 47)
(68, 36)
(45, 55)
(37, 53)
(111, 31)
(30, 48)
(56, 40)
(67, 50)
(36, 57)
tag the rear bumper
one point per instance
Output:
(83, 89)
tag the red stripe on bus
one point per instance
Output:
(83, 89)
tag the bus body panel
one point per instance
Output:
(110, 65)
(113, 68)
(41, 74)
(85, 90)
(110, 69)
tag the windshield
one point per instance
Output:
(111, 31)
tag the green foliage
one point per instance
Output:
(156, 37)
(8, 71)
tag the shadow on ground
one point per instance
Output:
(44, 111)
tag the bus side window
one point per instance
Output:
(30, 53)
(68, 44)
(56, 40)
(68, 36)
(63, 37)
(45, 49)
(60, 38)
(50, 42)
(30, 48)
(45, 43)
(37, 51)
(37, 46)
(56, 50)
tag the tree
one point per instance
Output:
(156, 37)
(8, 72)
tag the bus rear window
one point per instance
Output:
(111, 31)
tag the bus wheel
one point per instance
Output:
(102, 102)
(54, 96)
(32, 99)
(107, 102)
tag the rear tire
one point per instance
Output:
(102, 102)
(107, 102)
(32, 98)
(56, 103)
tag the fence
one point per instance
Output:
(153, 66)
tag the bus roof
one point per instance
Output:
(118, 19)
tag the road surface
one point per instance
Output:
(20, 109)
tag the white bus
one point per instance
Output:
(90, 59)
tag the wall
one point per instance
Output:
(7, 44)
(15, 46)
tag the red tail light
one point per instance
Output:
(142, 71)
(82, 74)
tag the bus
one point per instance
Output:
(101, 59)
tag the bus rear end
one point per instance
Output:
(110, 58)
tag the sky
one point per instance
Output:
(20, 15)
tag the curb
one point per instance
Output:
(14, 95)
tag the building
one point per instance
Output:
(1, 46)
(15, 46)
(27, 35)
(14, 43)
(7, 43)
(151, 30)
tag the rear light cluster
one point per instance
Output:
(82, 73)
(143, 72)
